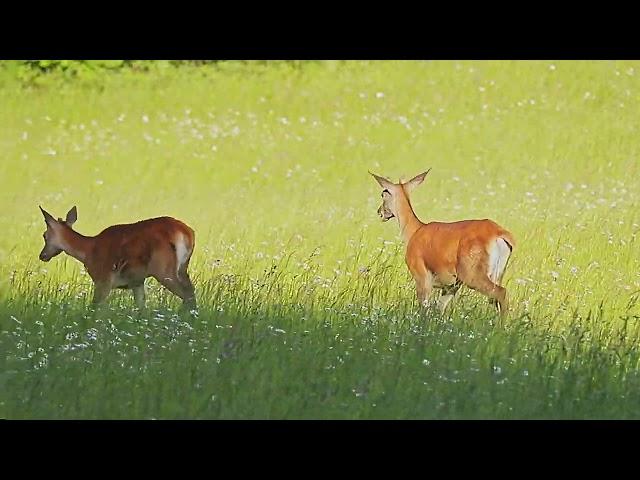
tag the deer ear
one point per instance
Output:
(417, 180)
(72, 216)
(47, 217)
(384, 183)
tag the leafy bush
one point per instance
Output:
(39, 73)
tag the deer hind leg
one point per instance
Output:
(183, 253)
(171, 282)
(187, 285)
(474, 274)
(179, 285)
(496, 293)
(189, 294)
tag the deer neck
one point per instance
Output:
(407, 219)
(76, 245)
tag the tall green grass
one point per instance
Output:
(306, 307)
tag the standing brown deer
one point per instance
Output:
(448, 255)
(123, 256)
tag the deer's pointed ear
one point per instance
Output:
(72, 216)
(417, 180)
(47, 217)
(384, 183)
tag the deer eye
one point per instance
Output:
(385, 191)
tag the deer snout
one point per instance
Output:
(44, 257)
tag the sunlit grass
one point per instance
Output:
(306, 307)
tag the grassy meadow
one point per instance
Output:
(306, 308)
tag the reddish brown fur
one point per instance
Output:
(445, 255)
(123, 256)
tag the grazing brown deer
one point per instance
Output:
(448, 255)
(123, 256)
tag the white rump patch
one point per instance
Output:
(182, 252)
(499, 254)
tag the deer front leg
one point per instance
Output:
(424, 287)
(448, 293)
(139, 296)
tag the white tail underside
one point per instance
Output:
(182, 252)
(499, 254)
